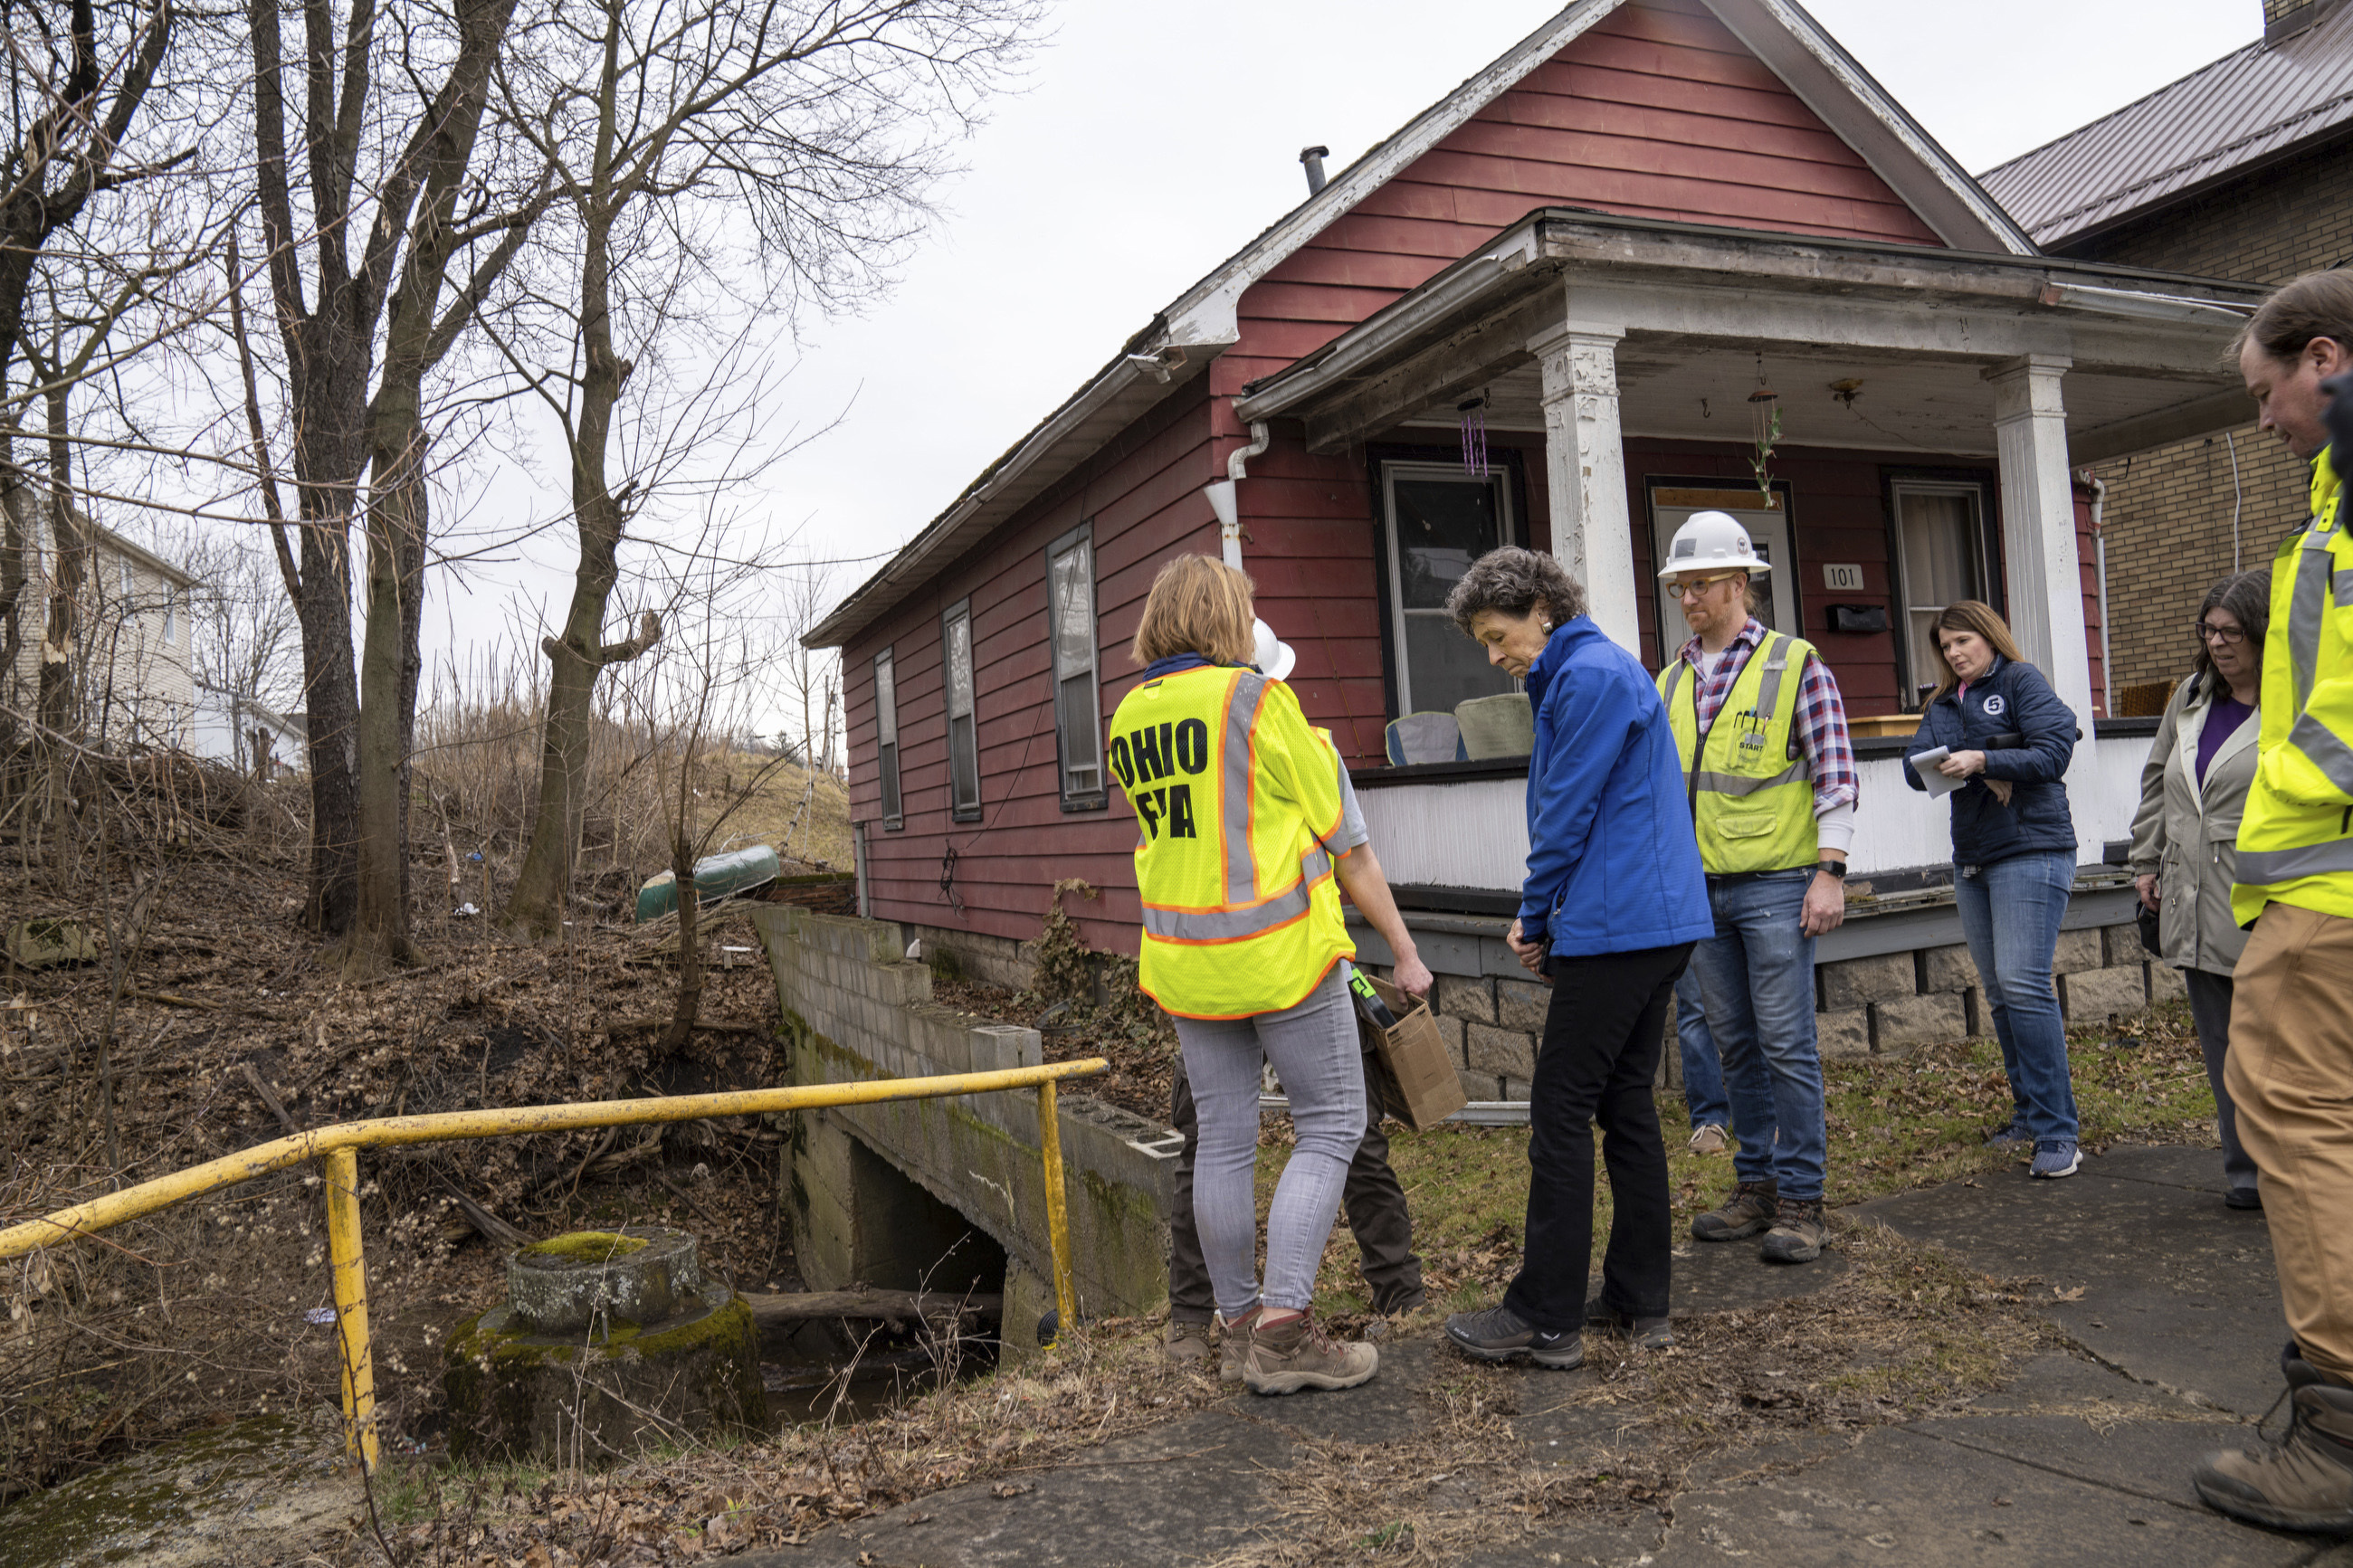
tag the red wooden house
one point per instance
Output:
(1604, 243)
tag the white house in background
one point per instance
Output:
(249, 736)
(136, 684)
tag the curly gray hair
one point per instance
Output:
(1515, 581)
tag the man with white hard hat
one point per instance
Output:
(1762, 732)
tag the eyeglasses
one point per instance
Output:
(1687, 589)
(2229, 636)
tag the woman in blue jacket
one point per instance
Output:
(1613, 902)
(2007, 733)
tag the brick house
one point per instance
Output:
(2242, 170)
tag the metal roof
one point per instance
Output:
(2245, 108)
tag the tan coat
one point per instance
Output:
(2188, 836)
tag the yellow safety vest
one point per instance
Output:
(1752, 800)
(1236, 796)
(2296, 841)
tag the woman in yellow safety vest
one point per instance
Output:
(1243, 834)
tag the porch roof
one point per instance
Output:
(1869, 344)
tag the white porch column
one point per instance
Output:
(2038, 527)
(1585, 463)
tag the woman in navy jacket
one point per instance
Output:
(1613, 902)
(2007, 733)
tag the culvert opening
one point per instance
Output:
(910, 1245)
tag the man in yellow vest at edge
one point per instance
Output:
(2291, 1060)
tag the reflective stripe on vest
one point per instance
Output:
(2296, 843)
(1737, 830)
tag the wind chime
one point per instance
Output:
(1765, 425)
(1473, 411)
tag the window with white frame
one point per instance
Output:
(1438, 520)
(1940, 561)
(963, 740)
(886, 737)
(1077, 706)
(170, 616)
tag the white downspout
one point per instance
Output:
(1222, 493)
(2100, 559)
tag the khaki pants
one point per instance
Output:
(2291, 1073)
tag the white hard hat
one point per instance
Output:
(1713, 542)
(1273, 656)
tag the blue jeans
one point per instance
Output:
(1703, 1072)
(1756, 980)
(2010, 913)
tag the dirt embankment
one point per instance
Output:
(225, 1030)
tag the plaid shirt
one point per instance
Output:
(1819, 723)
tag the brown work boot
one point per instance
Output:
(1750, 1209)
(1188, 1342)
(1233, 1346)
(1798, 1234)
(2305, 1482)
(1295, 1355)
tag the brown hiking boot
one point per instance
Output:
(1188, 1342)
(1798, 1234)
(1233, 1346)
(1750, 1209)
(2305, 1482)
(1295, 1355)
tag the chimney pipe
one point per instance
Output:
(1313, 157)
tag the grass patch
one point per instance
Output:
(1894, 1124)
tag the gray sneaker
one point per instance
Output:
(2054, 1158)
(1500, 1334)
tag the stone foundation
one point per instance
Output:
(1875, 1005)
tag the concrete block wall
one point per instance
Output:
(1864, 1007)
(856, 1010)
(1885, 1006)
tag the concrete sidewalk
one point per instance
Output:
(2082, 1460)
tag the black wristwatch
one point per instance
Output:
(1835, 867)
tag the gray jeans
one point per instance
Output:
(2210, 1009)
(1314, 1049)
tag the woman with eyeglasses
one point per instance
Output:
(2007, 735)
(2185, 837)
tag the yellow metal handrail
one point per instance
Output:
(336, 1149)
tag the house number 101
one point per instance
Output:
(1842, 579)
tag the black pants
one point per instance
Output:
(1599, 1055)
(1373, 1201)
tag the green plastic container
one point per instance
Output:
(715, 878)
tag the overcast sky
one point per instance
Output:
(1155, 139)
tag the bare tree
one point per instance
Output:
(816, 127)
(359, 257)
